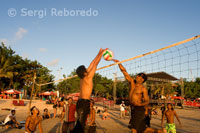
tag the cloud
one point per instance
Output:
(42, 49)
(20, 34)
(53, 62)
(17, 36)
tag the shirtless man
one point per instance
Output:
(33, 121)
(138, 97)
(11, 119)
(86, 85)
(170, 113)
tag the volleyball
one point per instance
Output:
(108, 55)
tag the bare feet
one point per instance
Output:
(7, 126)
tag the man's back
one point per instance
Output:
(86, 87)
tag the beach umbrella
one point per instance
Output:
(12, 91)
(52, 93)
(47, 93)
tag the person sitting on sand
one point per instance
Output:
(46, 114)
(33, 121)
(105, 114)
(11, 119)
(170, 113)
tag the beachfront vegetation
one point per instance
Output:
(17, 73)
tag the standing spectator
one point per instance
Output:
(122, 110)
(61, 106)
(170, 113)
(68, 116)
(162, 109)
(55, 106)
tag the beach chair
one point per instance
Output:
(21, 103)
(15, 103)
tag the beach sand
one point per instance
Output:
(190, 118)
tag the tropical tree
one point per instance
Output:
(18, 73)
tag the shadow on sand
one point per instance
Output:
(57, 128)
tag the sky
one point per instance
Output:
(56, 34)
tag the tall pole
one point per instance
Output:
(182, 90)
(182, 87)
(33, 86)
(59, 73)
(114, 87)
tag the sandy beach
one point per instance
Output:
(190, 118)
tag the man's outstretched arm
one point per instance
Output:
(123, 70)
(93, 65)
(177, 117)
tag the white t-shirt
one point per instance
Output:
(122, 107)
(8, 118)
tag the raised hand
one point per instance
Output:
(103, 50)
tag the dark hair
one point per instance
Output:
(62, 99)
(92, 101)
(12, 111)
(70, 98)
(45, 109)
(171, 105)
(144, 76)
(80, 71)
(32, 110)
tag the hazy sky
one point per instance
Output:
(55, 33)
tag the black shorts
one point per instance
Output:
(83, 110)
(9, 122)
(137, 121)
(92, 129)
(68, 126)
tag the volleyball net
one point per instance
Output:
(179, 60)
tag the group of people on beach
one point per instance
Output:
(138, 98)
